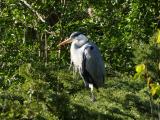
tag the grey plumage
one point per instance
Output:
(86, 58)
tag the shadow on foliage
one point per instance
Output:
(58, 103)
(144, 107)
(61, 105)
(116, 111)
(134, 86)
(12, 97)
(130, 86)
(82, 113)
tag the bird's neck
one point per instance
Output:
(79, 44)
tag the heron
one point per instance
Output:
(87, 59)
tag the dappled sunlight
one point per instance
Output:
(37, 74)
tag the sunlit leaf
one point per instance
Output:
(140, 68)
(155, 89)
(136, 76)
(158, 37)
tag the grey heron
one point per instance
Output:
(86, 58)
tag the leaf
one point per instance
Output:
(158, 37)
(159, 66)
(136, 76)
(140, 68)
(155, 89)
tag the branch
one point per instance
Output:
(29, 6)
(51, 33)
(38, 15)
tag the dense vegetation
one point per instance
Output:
(35, 82)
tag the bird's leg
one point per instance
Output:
(92, 95)
(86, 84)
(75, 73)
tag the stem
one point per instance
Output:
(46, 50)
(34, 11)
(151, 106)
(158, 112)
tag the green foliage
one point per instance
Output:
(155, 89)
(33, 82)
(139, 70)
(151, 73)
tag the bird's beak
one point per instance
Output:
(65, 42)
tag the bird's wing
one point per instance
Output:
(93, 64)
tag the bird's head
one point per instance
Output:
(77, 38)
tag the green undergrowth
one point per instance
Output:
(60, 95)
(120, 98)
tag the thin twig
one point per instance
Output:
(29, 6)
(38, 15)
(51, 33)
